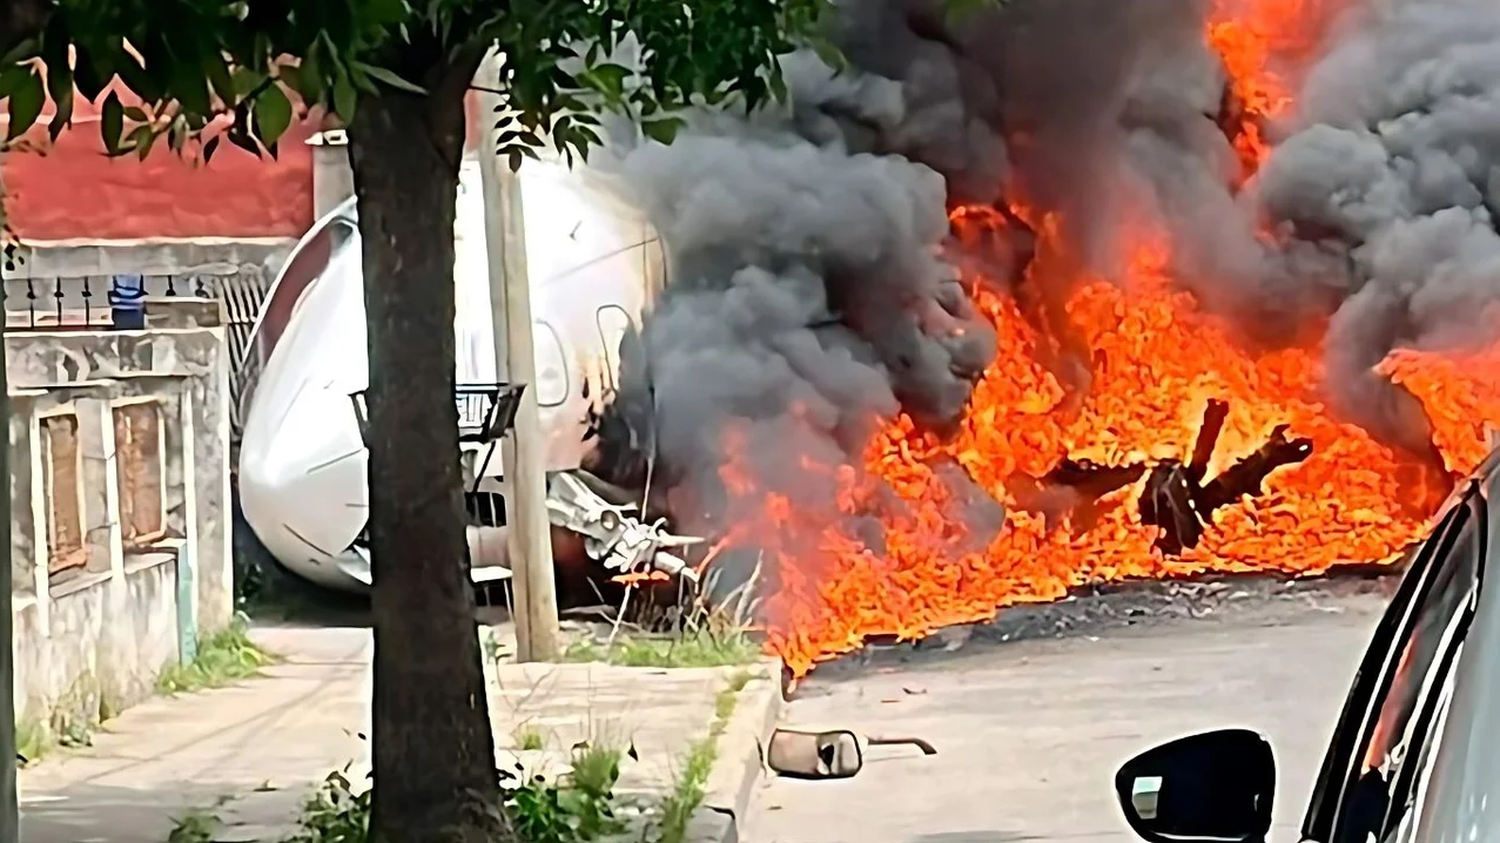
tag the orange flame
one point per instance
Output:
(1163, 360)
(890, 551)
(1266, 46)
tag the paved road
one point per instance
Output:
(1030, 733)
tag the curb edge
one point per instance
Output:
(741, 763)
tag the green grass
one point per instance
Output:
(198, 825)
(528, 737)
(224, 658)
(596, 768)
(688, 790)
(691, 783)
(32, 741)
(694, 649)
(337, 812)
(725, 702)
(577, 807)
(194, 827)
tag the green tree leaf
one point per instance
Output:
(246, 81)
(292, 77)
(25, 103)
(345, 97)
(273, 113)
(88, 76)
(12, 78)
(219, 78)
(60, 86)
(141, 140)
(23, 50)
(662, 130)
(388, 77)
(608, 78)
(112, 123)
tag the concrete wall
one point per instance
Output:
(91, 641)
(47, 290)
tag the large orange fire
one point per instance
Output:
(1266, 45)
(1157, 361)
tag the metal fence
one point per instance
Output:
(82, 303)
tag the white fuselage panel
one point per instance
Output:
(593, 263)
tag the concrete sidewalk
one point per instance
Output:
(251, 754)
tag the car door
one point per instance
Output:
(1369, 774)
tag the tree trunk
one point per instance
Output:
(434, 753)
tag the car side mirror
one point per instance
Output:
(835, 754)
(1216, 786)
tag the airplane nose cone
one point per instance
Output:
(302, 480)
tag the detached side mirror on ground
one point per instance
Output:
(1216, 786)
(834, 754)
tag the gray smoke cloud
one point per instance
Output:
(813, 286)
(1398, 151)
(807, 298)
(810, 289)
(1395, 156)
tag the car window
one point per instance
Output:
(1409, 801)
(1396, 675)
(1451, 589)
(1464, 783)
(1377, 793)
(1404, 755)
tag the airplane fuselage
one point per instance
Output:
(594, 264)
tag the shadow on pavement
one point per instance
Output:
(92, 813)
(978, 836)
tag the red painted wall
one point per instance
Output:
(72, 190)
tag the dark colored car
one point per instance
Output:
(1416, 753)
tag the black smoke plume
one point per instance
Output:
(813, 286)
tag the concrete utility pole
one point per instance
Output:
(528, 529)
(10, 819)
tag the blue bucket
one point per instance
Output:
(127, 302)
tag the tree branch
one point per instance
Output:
(447, 86)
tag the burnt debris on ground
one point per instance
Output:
(1178, 497)
(1100, 609)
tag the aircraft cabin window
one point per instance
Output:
(305, 265)
(613, 322)
(551, 367)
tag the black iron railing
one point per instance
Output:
(486, 411)
(89, 302)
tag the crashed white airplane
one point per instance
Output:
(594, 265)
